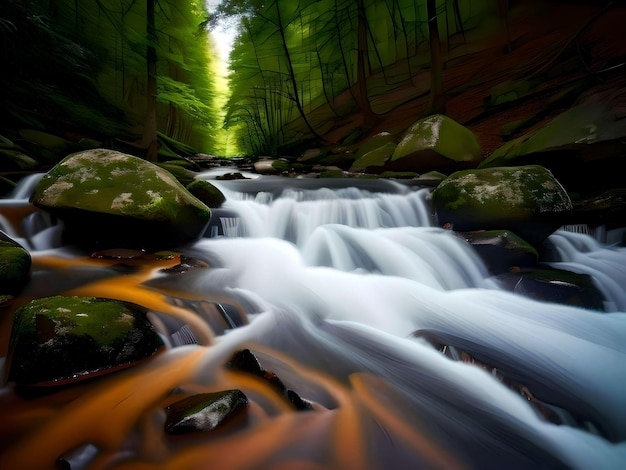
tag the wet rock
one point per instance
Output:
(501, 250)
(15, 263)
(264, 166)
(110, 199)
(59, 340)
(553, 285)
(187, 263)
(231, 176)
(374, 161)
(207, 193)
(526, 200)
(246, 361)
(312, 155)
(119, 254)
(372, 154)
(436, 143)
(204, 412)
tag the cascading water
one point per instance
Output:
(346, 290)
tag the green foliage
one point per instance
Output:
(84, 64)
(291, 58)
(48, 73)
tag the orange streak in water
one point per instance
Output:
(105, 412)
(128, 287)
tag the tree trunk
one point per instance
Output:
(149, 139)
(292, 75)
(437, 102)
(363, 99)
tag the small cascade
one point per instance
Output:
(429, 255)
(615, 236)
(25, 187)
(580, 253)
(296, 214)
(389, 325)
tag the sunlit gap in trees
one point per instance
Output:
(222, 37)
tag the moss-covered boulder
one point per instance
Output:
(374, 161)
(436, 143)
(583, 147)
(526, 200)
(207, 193)
(58, 340)
(109, 199)
(15, 263)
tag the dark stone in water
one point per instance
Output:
(501, 250)
(554, 285)
(187, 263)
(118, 253)
(245, 361)
(204, 412)
(59, 340)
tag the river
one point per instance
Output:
(339, 290)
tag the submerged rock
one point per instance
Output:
(436, 143)
(554, 285)
(526, 200)
(501, 250)
(109, 199)
(58, 340)
(246, 361)
(15, 263)
(204, 412)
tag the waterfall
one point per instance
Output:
(393, 328)
(340, 283)
(294, 214)
(606, 265)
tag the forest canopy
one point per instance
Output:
(320, 73)
(90, 65)
(333, 57)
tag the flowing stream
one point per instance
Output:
(391, 327)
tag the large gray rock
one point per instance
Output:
(106, 198)
(526, 200)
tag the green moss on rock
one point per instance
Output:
(527, 200)
(375, 158)
(207, 193)
(442, 135)
(15, 264)
(105, 195)
(56, 340)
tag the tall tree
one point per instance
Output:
(437, 103)
(149, 140)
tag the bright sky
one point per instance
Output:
(224, 34)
